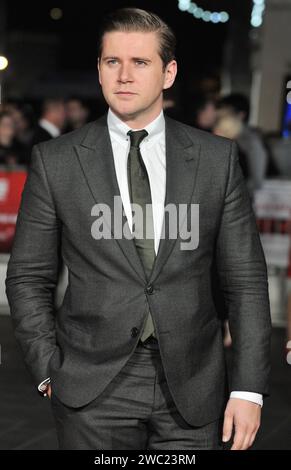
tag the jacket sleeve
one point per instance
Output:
(32, 271)
(243, 280)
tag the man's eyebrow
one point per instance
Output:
(145, 59)
(109, 57)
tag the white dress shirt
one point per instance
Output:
(153, 151)
(48, 126)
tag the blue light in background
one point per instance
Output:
(286, 131)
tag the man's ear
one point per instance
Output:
(170, 74)
(98, 68)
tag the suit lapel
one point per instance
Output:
(97, 162)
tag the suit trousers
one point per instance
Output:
(135, 411)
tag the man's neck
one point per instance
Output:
(138, 122)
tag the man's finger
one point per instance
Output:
(227, 427)
(253, 437)
(247, 441)
(239, 437)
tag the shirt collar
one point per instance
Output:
(50, 127)
(119, 129)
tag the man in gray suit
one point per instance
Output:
(134, 358)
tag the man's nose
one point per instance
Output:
(125, 74)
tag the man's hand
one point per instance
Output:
(245, 416)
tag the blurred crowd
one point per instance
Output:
(228, 116)
(21, 127)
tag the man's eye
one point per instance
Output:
(112, 61)
(140, 62)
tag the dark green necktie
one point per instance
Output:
(140, 193)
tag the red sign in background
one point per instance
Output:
(11, 187)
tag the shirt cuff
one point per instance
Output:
(43, 385)
(250, 396)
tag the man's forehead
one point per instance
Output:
(137, 41)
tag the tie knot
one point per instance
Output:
(136, 137)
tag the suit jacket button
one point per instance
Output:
(149, 289)
(134, 332)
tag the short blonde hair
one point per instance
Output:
(135, 19)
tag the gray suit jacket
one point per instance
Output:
(86, 342)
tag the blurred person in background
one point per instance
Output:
(202, 114)
(52, 121)
(22, 116)
(172, 104)
(232, 122)
(23, 125)
(8, 149)
(77, 113)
